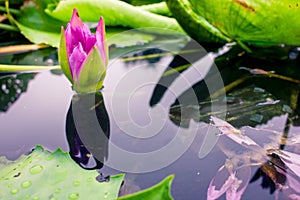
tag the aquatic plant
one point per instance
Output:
(83, 55)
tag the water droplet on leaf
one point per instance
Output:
(26, 184)
(36, 169)
(90, 179)
(57, 191)
(76, 183)
(14, 191)
(73, 196)
(106, 194)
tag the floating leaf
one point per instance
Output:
(45, 175)
(158, 191)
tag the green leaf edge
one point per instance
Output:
(164, 185)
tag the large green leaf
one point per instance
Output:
(38, 27)
(160, 191)
(115, 13)
(253, 21)
(196, 26)
(45, 175)
(121, 37)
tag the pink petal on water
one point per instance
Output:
(294, 197)
(238, 187)
(235, 134)
(291, 160)
(220, 183)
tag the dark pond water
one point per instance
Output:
(154, 132)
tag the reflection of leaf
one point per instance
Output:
(11, 89)
(158, 191)
(45, 175)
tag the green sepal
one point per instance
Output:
(92, 73)
(63, 56)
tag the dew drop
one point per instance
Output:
(14, 191)
(73, 196)
(57, 191)
(35, 198)
(90, 179)
(3, 87)
(76, 183)
(26, 184)
(35, 169)
(50, 157)
(106, 194)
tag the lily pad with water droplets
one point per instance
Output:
(46, 175)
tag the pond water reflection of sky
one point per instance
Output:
(39, 116)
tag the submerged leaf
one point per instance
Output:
(45, 175)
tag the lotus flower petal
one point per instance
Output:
(76, 59)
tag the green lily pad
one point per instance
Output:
(159, 191)
(250, 21)
(39, 28)
(115, 13)
(45, 175)
(121, 37)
